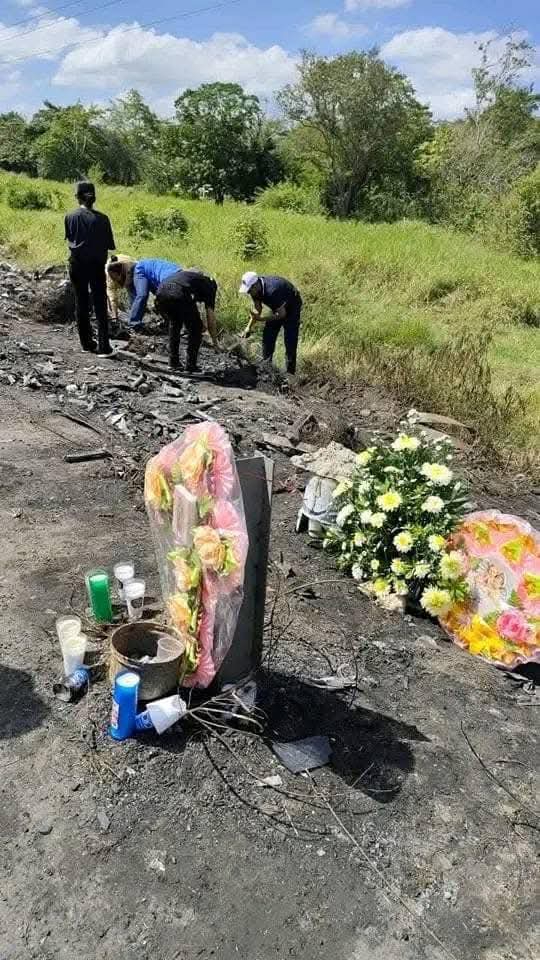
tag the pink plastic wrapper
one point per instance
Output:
(194, 504)
(501, 620)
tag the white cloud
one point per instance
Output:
(439, 64)
(352, 5)
(132, 56)
(331, 25)
(43, 40)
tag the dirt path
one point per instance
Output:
(405, 847)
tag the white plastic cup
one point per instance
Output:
(167, 649)
(134, 596)
(123, 572)
(163, 713)
(67, 627)
(73, 653)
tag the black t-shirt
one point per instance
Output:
(89, 235)
(189, 283)
(277, 292)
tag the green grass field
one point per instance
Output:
(390, 301)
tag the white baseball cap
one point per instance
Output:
(248, 281)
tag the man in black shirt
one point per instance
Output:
(89, 236)
(285, 303)
(176, 300)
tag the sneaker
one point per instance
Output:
(175, 365)
(90, 347)
(194, 369)
(106, 351)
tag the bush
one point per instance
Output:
(528, 191)
(250, 237)
(22, 197)
(147, 225)
(290, 196)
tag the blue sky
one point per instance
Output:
(97, 49)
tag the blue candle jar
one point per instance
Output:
(124, 705)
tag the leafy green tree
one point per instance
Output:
(15, 144)
(131, 122)
(473, 163)
(72, 140)
(362, 123)
(224, 143)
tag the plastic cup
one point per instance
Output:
(73, 652)
(167, 649)
(67, 627)
(123, 571)
(134, 596)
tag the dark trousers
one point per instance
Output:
(89, 277)
(291, 333)
(181, 311)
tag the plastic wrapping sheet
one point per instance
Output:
(194, 504)
(501, 620)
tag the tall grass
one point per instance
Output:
(392, 300)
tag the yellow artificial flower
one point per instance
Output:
(398, 567)
(404, 442)
(381, 587)
(403, 541)
(192, 463)
(156, 488)
(390, 500)
(437, 473)
(436, 602)
(359, 539)
(378, 520)
(364, 457)
(180, 612)
(208, 544)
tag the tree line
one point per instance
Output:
(351, 140)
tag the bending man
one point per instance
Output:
(140, 282)
(176, 300)
(89, 236)
(285, 304)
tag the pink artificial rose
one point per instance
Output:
(513, 626)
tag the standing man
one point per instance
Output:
(285, 302)
(176, 300)
(89, 236)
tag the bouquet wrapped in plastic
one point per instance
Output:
(194, 504)
(500, 620)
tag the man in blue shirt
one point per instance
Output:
(285, 302)
(147, 276)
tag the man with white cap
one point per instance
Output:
(285, 303)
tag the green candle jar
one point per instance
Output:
(99, 595)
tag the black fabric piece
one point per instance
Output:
(276, 291)
(201, 288)
(180, 309)
(291, 332)
(89, 235)
(89, 277)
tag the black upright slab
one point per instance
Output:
(256, 476)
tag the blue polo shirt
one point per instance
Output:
(155, 271)
(277, 291)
